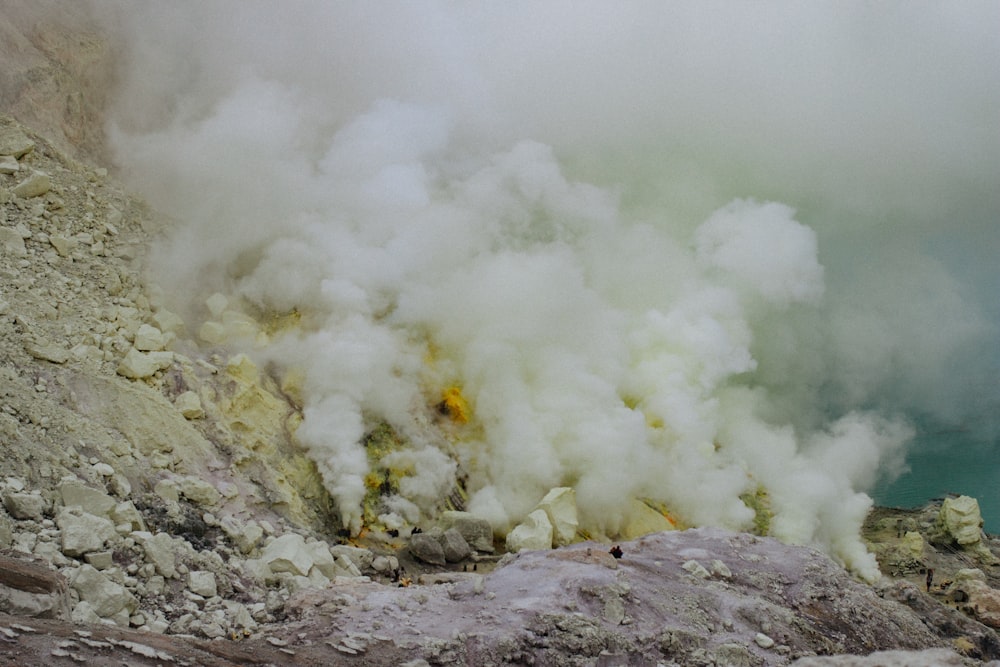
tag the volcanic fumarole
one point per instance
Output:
(689, 253)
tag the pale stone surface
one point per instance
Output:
(198, 491)
(535, 532)
(137, 365)
(427, 547)
(477, 532)
(83, 532)
(361, 558)
(168, 321)
(961, 519)
(90, 500)
(126, 513)
(217, 304)
(322, 559)
(201, 582)
(288, 553)
(47, 352)
(212, 333)
(35, 185)
(160, 552)
(643, 520)
(12, 242)
(559, 505)
(105, 596)
(189, 403)
(8, 164)
(455, 548)
(149, 339)
(15, 143)
(25, 505)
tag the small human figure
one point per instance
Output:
(616, 551)
(930, 578)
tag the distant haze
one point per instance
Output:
(677, 251)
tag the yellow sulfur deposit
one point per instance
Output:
(454, 405)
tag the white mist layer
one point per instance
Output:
(570, 211)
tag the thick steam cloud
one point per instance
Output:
(607, 228)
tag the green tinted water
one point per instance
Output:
(943, 463)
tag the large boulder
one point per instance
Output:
(559, 506)
(477, 532)
(535, 532)
(107, 598)
(288, 553)
(961, 520)
(83, 533)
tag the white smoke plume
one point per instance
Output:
(667, 251)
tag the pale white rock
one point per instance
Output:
(535, 532)
(212, 333)
(64, 246)
(100, 560)
(103, 469)
(198, 491)
(361, 558)
(322, 559)
(82, 533)
(35, 185)
(961, 518)
(126, 513)
(9, 164)
(168, 321)
(107, 597)
(167, 490)
(137, 365)
(346, 567)
(149, 339)
(559, 505)
(47, 352)
(189, 404)
(84, 614)
(90, 500)
(245, 535)
(12, 242)
(159, 550)
(697, 569)
(23, 505)
(288, 553)
(477, 531)
(217, 304)
(15, 143)
(763, 640)
(202, 582)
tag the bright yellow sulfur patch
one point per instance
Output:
(454, 405)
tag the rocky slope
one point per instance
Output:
(157, 509)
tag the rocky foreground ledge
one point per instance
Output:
(696, 597)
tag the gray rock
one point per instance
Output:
(25, 505)
(8, 164)
(454, 546)
(90, 500)
(288, 553)
(35, 185)
(362, 558)
(15, 143)
(477, 532)
(83, 532)
(427, 547)
(159, 550)
(201, 582)
(106, 597)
